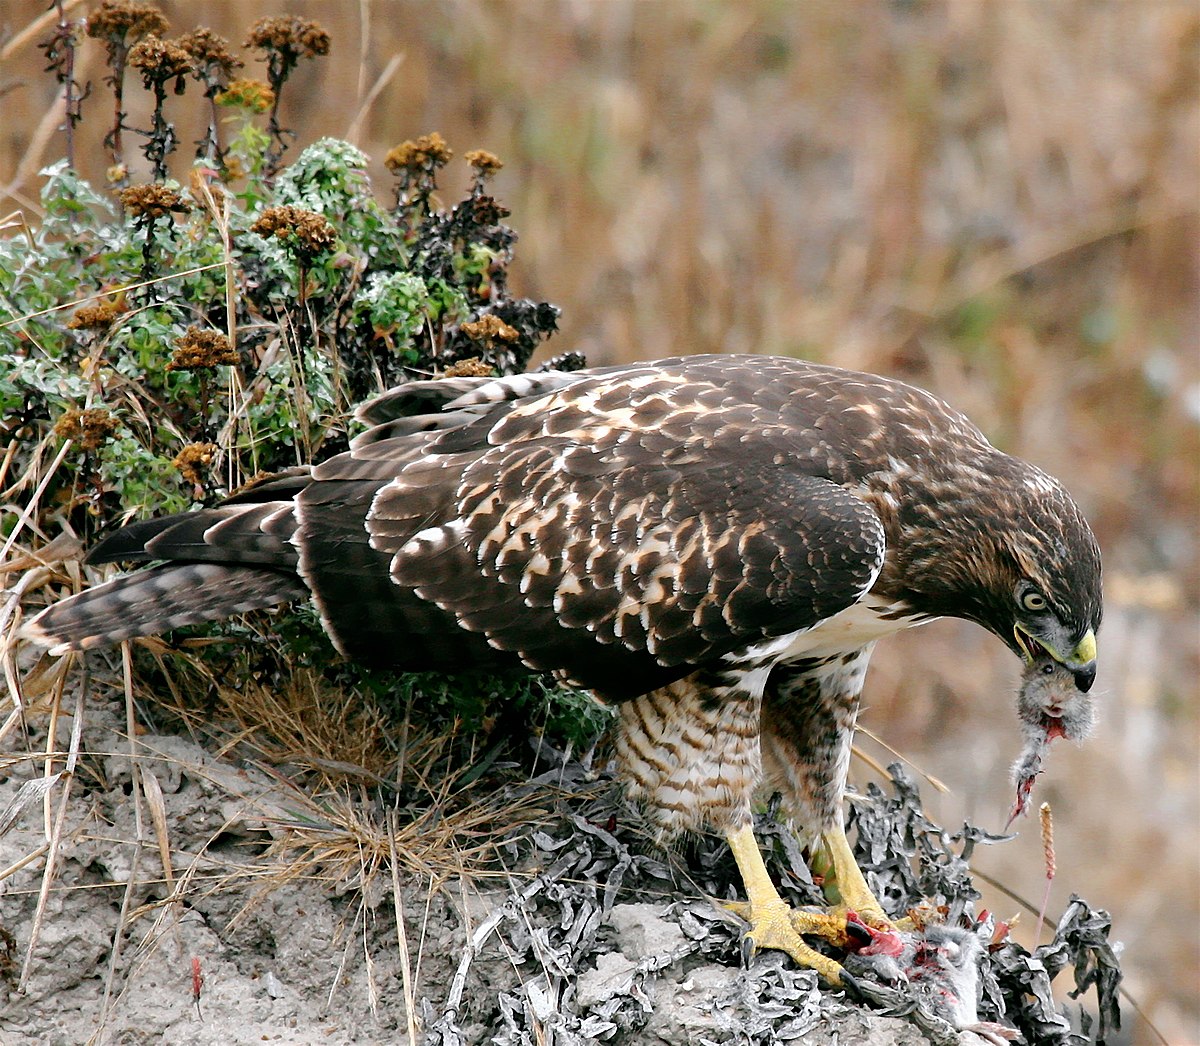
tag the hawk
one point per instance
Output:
(713, 544)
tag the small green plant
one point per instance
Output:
(164, 341)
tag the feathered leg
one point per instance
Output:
(809, 711)
(691, 752)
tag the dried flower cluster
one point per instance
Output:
(160, 61)
(123, 20)
(246, 93)
(490, 330)
(202, 350)
(289, 36)
(152, 201)
(209, 52)
(473, 367)
(484, 162)
(283, 42)
(96, 317)
(424, 154)
(120, 24)
(89, 428)
(195, 461)
(308, 232)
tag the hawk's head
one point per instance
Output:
(999, 542)
(1043, 595)
(1006, 546)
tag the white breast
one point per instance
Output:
(853, 628)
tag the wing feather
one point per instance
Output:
(569, 541)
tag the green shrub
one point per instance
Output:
(185, 338)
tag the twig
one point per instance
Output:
(110, 292)
(67, 776)
(377, 87)
(410, 1002)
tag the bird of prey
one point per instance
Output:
(713, 544)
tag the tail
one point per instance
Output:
(157, 599)
(221, 561)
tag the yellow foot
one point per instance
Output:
(773, 924)
(851, 887)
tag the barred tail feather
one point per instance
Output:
(155, 600)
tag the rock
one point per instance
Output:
(612, 976)
(641, 932)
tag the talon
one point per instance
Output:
(748, 949)
(858, 932)
(859, 923)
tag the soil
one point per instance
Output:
(587, 938)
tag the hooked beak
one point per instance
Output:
(1081, 662)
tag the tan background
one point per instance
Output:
(995, 200)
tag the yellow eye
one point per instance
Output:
(1033, 600)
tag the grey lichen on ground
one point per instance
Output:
(666, 967)
(583, 931)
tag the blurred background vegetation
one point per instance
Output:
(997, 201)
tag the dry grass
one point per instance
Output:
(335, 794)
(997, 201)
(340, 795)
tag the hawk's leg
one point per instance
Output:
(854, 893)
(774, 923)
(808, 715)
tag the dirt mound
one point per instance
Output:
(579, 931)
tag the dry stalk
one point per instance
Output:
(934, 782)
(1047, 825)
(55, 829)
(112, 291)
(30, 511)
(406, 973)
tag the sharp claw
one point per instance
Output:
(853, 986)
(747, 949)
(858, 932)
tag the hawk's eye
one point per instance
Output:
(1033, 600)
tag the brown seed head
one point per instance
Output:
(152, 201)
(289, 35)
(202, 350)
(308, 231)
(490, 330)
(469, 368)
(125, 20)
(195, 461)
(159, 60)
(209, 51)
(89, 428)
(96, 317)
(1047, 820)
(420, 154)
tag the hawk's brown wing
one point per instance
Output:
(617, 546)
